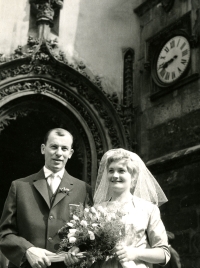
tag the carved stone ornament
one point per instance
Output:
(127, 113)
(47, 60)
(46, 9)
(167, 4)
(45, 12)
(43, 87)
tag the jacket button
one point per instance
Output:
(50, 217)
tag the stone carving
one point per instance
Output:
(46, 59)
(46, 9)
(5, 118)
(167, 4)
(32, 42)
(18, 53)
(128, 77)
(42, 87)
(126, 111)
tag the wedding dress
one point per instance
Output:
(142, 226)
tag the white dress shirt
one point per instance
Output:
(53, 179)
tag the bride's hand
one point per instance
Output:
(127, 253)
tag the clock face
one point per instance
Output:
(173, 60)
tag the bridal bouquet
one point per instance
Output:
(95, 231)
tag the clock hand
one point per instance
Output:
(165, 65)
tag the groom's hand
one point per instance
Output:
(70, 256)
(38, 257)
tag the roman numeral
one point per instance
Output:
(167, 76)
(179, 70)
(185, 52)
(160, 66)
(162, 57)
(172, 43)
(162, 73)
(166, 49)
(173, 75)
(183, 61)
(182, 45)
(178, 42)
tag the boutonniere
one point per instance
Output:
(64, 190)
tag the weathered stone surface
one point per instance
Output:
(175, 134)
(181, 221)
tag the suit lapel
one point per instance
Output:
(67, 183)
(41, 185)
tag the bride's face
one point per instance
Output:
(120, 179)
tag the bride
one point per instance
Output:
(124, 183)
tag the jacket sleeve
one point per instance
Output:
(12, 245)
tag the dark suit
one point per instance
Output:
(30, 220)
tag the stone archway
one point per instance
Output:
(43, 87)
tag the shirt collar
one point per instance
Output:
(48, 172)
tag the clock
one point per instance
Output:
(172, 61)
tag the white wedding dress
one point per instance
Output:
(142, 226)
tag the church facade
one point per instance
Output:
(115, 74)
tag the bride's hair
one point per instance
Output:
(129, 163)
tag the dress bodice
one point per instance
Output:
(143, 226)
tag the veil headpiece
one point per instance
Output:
(146, 185)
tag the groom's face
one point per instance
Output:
(57, 150)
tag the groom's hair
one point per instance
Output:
(59, 132)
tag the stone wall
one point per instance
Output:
(168, 125)
(95, 32)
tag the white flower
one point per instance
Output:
(70, 224)
(75, 218)
(86, 210)
(94, 224)
(100, 208)
(93, 210)
(108, 217)
(92, 236)
(72, 231)
(83, 223)
(72, 239)
(70, 235)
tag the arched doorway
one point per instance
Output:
(28, 119)
(43, 91)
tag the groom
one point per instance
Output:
(38, 206)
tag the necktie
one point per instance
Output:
(53, 181)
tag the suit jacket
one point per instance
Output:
(29, 219)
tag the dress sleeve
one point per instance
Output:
(156, 233)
